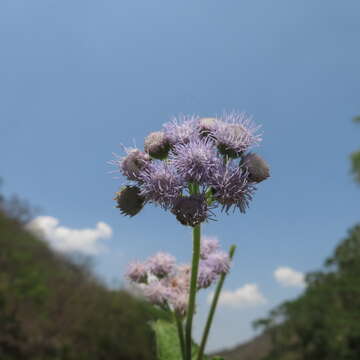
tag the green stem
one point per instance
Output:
(180, 329)
(213, 308)
(193, 289)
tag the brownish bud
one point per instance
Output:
(157, 145)
(190, 210)
(257, 167)
(129, 200)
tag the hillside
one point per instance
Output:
(52, 308)
(254, 349)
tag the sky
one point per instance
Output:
(80, 78)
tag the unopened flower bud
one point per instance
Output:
(134, 163)
(129, 200)
(256, 166)
(190, 210)
(157, 145)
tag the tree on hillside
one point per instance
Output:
(355, 159)
(324, 322)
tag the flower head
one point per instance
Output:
(181, 280)
(190, 210)
(206, 277)
(179, 302)
(256, 166)
(219, 262)
(157, 145)
(231, 187)
(195, 161)
(206, 127)
(129, 200)
(234, 134)
(208, 246)
(161, 264)
(157, 292)
(137, 272)
(181, 130)
(160, 183)
(134, 163)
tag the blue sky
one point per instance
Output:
(78, 78)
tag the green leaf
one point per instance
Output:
(167, 340)
(168, 344)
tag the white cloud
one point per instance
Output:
(65, 239)
(248, 295)
(289, 277)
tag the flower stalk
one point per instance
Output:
(180, 329)
(194, 189)
(213, 308)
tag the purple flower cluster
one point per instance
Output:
(166, 284)
(194, 164)
(162, 281)
(213, 263)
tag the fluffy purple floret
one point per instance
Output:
(235, 133)
(181, 129)
(231, 187)
(160, 183)
(161, 264)
(196, 160)
(157, 293)
(206, 126)
(206, 276)
(208, 246)
(133, 163)
(219, 262)
(137, 272)
(179, 302)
